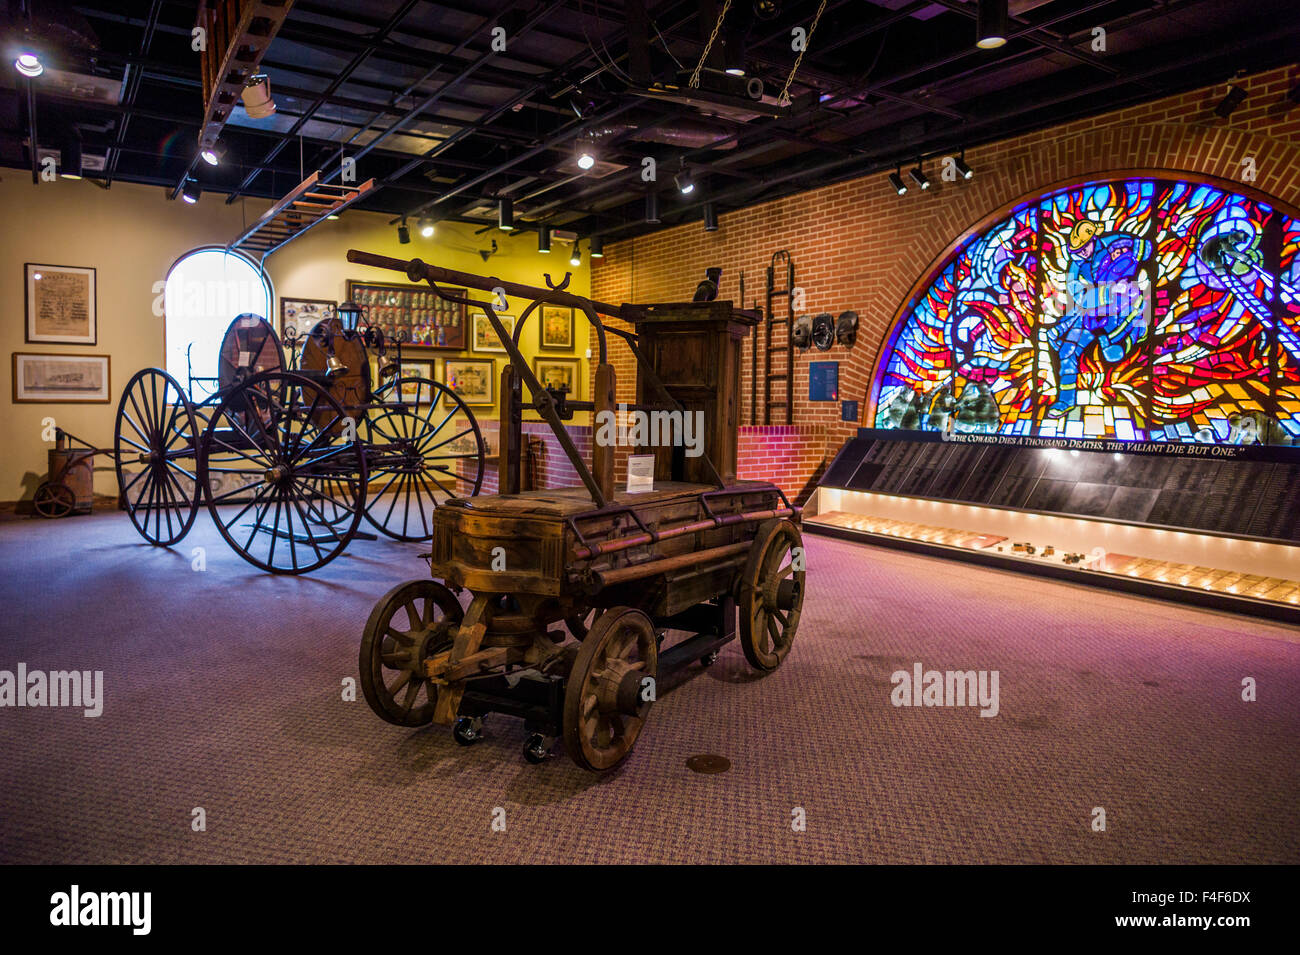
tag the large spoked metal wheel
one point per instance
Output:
(426, 448)
(157, 432)
(280, 457)
(771, 594)
(605, 699)
(409, 624)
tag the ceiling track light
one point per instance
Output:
(70, 159)
(29, 64)
(685, 184)
(710, 217)
(544, 239)
(919, 177)
(960, 162)
(586, 156)
(896, 181)
(652, 208)
(256, 97)
(596, 246)
(1231, 100)
(991, 24)
(506, 215)
(214, 154)
(426, 227)
(404, 233)
(191, 191)
(575, 257)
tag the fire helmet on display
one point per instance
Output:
(846, 328)
(823, 331)
(801, 334)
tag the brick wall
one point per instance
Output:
(555, 471)
(858, 245)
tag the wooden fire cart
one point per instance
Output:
(663, 572)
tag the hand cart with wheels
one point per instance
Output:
(643, 583)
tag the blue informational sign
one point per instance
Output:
(848, 411)
(823, 381)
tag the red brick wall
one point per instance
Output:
(789, 456)
(858, 245)
(556, 471)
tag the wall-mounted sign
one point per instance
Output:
(848, 411)
(823, 381)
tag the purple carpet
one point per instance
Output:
(223, 691)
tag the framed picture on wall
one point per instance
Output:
(472, 379)
(298, 316)
(67, 379)
(557, 373)
(413, 391)
(485, 337)
(412, 313)
(61, 305)
(556, 328)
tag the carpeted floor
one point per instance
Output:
(223, 691)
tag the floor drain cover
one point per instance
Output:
(709, 763)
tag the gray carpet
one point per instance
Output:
(223, 691)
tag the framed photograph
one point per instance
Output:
(556, 328)
(60, 305)
(413, 313)
(298, 316)
(557, 373)
(411, 391)
(70, 379)
(472, 379)
(485, 336)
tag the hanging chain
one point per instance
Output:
(783, 99)
(695, 77)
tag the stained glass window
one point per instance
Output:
(1137, 309)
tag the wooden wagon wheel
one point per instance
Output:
(409, 624)
(429, 450)
(771, 594)
(277, 438)
(54, 500)
(603, 705)
(156, 428)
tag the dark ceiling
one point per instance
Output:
(446, 126)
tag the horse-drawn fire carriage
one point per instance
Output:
(290, 456)
(684, 558)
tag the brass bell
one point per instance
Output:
(334, 367)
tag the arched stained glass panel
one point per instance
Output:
(1137, 309)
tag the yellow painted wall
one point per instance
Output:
(132, 234)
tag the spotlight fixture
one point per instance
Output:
(575, 257)
(919, 177)
(212, 155)
(586, 158)
(710, 217)
(506, 215)
(257, 97)
(1231, 100)
(29, 64)
(191, 191)
(896, 180)
(404, 233)
(991, 24)
(684, 182)
(544, 239)
(596, 246)
(965, 170)
(767, 9)
(652, 208)
(70, 159)
(426, 227)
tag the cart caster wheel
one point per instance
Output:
(537, 748)
(709, 659)
(467, 731)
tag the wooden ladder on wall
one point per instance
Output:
(771, 322)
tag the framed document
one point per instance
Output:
(485, 336)
(298, 316)
(557, 373)
(414, 314)
(60, 305)
(556, 328)
(472, 379)
(68, 379)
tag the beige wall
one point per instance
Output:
(132, 234)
